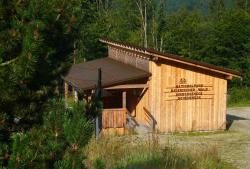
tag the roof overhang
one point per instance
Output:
(84, 76)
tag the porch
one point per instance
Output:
(119, 113)
(114, 121)
(123, 86)
(119, 105)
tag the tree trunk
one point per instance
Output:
(143, 12)
(161, 44)
(145, 26)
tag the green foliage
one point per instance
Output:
(121, 17)
(41, 36)
(77, 129)
(239, 97)
(99, 164)
(28, 150)
(242, 4)
(229, 45)
(59, 142)
(39, 40)
(185, 33)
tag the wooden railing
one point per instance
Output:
(114, 118)
(150, 119)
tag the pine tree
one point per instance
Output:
(59, 143)
(243, 4)
(229, 45)
(216, 8)
(38, 40)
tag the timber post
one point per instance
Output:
(66, 93)
(76, 95)
(98, 96)
(124, 99)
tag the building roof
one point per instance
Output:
(84, 76)
(154, 55)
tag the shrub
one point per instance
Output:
(99, 164)
(239, 97)
(59, 143)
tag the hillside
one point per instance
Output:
(173, 5)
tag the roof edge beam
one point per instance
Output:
(127, 86)
(196, 65)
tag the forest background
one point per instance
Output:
(39, 40)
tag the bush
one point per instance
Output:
(239, 97)
(99, 164)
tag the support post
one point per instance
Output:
(75, 95)
(66, 93)
(98, 97)
(97, 128)
(124, 99)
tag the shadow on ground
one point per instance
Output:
(231, 118)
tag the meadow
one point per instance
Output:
(131, 152)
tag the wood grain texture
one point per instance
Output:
(114, 121)
(179, 97)
(203, 114)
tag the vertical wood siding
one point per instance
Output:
(170, 114)
(205, 114)
(114, 121)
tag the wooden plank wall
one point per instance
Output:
(202, 114)
(142, 104)
(205, 114)
(150, 103)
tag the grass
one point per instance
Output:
(239, 97)
(243, 103)
(132, 153)
(202, 133)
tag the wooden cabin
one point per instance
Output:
(163, 92)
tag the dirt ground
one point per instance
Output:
(233, 145)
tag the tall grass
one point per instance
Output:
(239, 97)
(133, 153)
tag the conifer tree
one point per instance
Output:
(38, 40)
(243, 4)
(59, 143)
(216, 8)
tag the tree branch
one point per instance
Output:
(8, 62)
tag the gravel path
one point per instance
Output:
(238, 150)
(233, 145)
